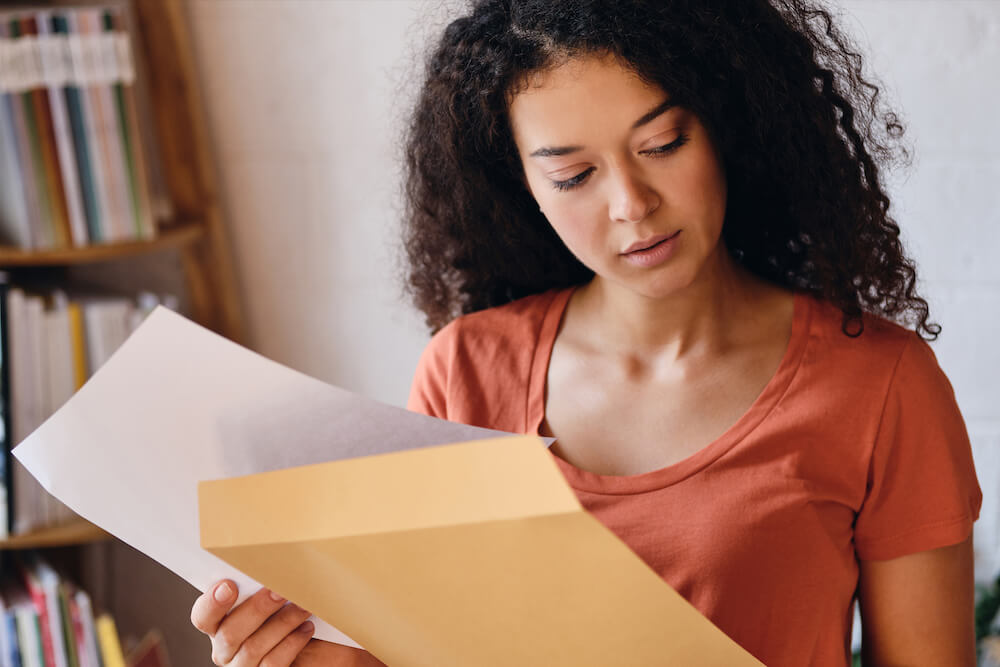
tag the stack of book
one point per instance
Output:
(47, 621)
(50, 343)
(73, 165)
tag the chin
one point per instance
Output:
(655, 287)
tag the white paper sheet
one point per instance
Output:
(178, 404)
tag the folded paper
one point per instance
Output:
(467, 554)
(425, 551)
(178, 404)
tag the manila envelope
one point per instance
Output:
(465, 555)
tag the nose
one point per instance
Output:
(631, 199)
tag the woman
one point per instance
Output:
(656, 231)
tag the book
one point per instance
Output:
(55, 73)
(111, 646)
(6, 434)
(17, 79)
(74, 153)
(69, 627)
(128, 124)
(90, 653)
(37, 99)
(46, 619)
(84, 63)
(78, 127)
(15, 223)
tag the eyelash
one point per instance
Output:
(658, 152)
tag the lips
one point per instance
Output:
(646, 244)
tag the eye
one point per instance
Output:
(571, 183)
(666, 149)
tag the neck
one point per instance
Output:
(699, 319)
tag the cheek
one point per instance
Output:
(575, 226)
(704, 186)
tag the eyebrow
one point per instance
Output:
(648, 117)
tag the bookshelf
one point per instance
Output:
(71, 533)
(197, 232)
(196, 235)
(193, 246)
(178, 236)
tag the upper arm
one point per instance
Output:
(429, 390)
(918, 609)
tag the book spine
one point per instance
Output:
(78, 129)
(39, 96)
(53, 50)
(79, 344)
(138, 179)
(89, 628)
(67, 626)
(81, 53)
(28, 636)
(111, 153)
(15, 225)
(42, 612)
(19, 66)
(13, 645)
(6, 493)
(111, 646)
(18, 367)
(37, 105)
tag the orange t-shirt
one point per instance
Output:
(855, 449)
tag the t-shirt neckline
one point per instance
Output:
(769, 397)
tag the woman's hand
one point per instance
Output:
(265, 630)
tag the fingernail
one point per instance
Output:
(223, 592)
(276, 597)
(306, 627)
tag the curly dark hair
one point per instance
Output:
(777, 85)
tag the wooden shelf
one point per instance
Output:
(78, 531)
(172, 237)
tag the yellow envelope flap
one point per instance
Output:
(484, 480)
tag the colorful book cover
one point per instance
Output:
(114, 24)
(26, 159)
(78, 131)
(37, 594)
(15, 224)
(55, 75)
(108, 135)
(78, 336)
(84, 72)
(69, 628)
(13, 646)
(29, 637)
(84, 658)
(91, 650)
(37, 100)
(111, 646)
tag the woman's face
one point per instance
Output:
(631, 185)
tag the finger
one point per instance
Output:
(212, 606)
(288, 649)
(242, 622)
(269, 635)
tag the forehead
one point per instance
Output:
(589, 96)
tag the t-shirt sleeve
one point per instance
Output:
(429, 391)
(922, 488)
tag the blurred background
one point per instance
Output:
(303, 104)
